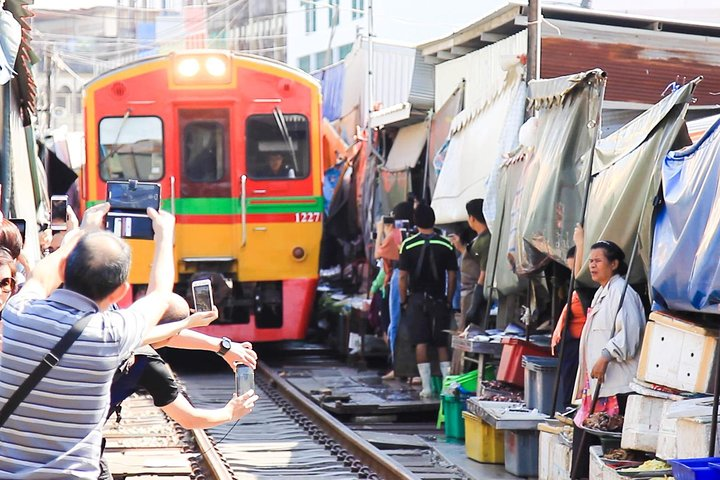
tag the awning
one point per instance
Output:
(407, 147)
(474, 147)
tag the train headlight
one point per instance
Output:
(188, 67)
(215, 66)
(299, 254)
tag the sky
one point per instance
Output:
(648, 7)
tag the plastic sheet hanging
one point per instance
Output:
(626, 179)
(685, 272)
(549, 204)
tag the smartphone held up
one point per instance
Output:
(129, 202)
(244, 379)
(202, 295)
(58, 213)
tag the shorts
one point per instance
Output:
(428, 317)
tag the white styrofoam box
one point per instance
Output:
(667, 436)
(561, 461)
(642, 422)
(693, 437)
(545, 454)
(677, 354)
(554, 457)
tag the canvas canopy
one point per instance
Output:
(685, 273)
(407, 147)
(626, 179)
(475, 145)
(548, 204)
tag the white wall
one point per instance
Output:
(409, 22)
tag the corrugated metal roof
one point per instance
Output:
(422, 87)
(635, 73)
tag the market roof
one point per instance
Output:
(644, 57)
(511, 18)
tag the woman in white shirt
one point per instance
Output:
(612, 335)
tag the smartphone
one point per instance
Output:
(129, 202)
(58, 213)
(133, 196)
(244, 379)
(20, 223)
(202, 295)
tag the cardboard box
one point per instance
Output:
(677, 354)
(641, 427)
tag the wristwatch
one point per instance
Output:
(225, 346)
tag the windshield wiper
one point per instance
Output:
(117, 146)
(282, 126)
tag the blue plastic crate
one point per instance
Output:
(695, 468)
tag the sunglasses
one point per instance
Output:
(7, 285)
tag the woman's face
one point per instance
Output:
(601, 269)
(7, 285)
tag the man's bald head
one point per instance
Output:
(178, 309)
(98, 265)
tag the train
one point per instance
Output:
(234, 141)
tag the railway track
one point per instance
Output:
(288, 435)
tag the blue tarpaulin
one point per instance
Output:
(332, 80)
(685, 271)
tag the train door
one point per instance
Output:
(204, 208)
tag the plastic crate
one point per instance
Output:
(483, 443)
(510, 369)
(539, 382)
(695, 468)
(453, 408)
(521, 452)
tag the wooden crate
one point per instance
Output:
(677, 354)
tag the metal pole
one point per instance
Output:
(48, 86)
(533, 40)
(571, 288)
(427, 157)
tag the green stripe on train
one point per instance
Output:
(231, 206)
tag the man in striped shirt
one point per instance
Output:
(56, 431)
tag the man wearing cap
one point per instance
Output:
(428, 274)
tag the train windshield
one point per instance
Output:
(131, 148)
(277, 146)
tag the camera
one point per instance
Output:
(202, 295)
(58, 213)
(129, 202)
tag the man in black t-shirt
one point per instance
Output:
(428, 272)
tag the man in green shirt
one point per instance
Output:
(479, 251)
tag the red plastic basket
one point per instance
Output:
(511, 369)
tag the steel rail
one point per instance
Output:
(364, 451)
(214, 462)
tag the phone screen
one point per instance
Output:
(145, 195)
(244, 379)
(203, 298)
(58, 219)
(20, 223)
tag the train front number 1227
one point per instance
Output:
(307, 217)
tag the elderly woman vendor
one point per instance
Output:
(609, 354)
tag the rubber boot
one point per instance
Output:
(444, 370)
(424, 369)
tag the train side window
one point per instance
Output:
(204, 151)
(277, 146)
(131, 148)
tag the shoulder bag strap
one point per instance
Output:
(48, 362)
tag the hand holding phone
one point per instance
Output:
(58, 213)
(202, 295)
